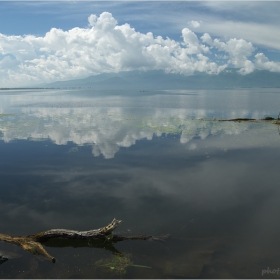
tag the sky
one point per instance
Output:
(53, 41)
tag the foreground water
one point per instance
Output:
(160, 162)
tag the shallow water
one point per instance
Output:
(158, 161)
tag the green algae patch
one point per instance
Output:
(118, 264)
(165, 125)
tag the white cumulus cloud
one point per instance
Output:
(105, 46)
(194, 23)
(238, 50)
(263, 63)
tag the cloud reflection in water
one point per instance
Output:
(107, 129)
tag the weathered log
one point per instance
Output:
(32, 243)
(74, 234)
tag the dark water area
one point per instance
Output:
(160, 162)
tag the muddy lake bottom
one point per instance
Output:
(160, 162)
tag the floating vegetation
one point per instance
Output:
(118, 264)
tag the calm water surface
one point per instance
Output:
(156, 160)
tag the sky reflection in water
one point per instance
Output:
(159, 163)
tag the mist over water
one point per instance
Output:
(161, 162)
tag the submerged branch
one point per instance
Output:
(142, 237)
(27, 244)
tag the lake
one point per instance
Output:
(161, 162)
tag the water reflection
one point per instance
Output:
(107, 129)
(212, 186)
(107, 124)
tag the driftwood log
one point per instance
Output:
(32, 243)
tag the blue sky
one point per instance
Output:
(48, 41)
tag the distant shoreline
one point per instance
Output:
(75, 88)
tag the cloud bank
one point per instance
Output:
(105, 46)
